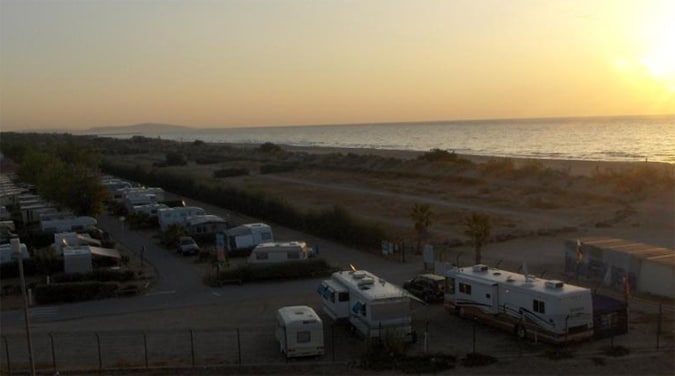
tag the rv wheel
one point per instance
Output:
(520, 331)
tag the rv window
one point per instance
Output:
(343, 296)
(332, 297)
(304, 337)
(261, 255)
(538, 306)
(465, 288)
(266, 236)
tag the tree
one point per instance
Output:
(477, 227)
(421, 215)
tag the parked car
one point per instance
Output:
(187, 246)
(428, 287)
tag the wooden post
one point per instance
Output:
(658, 326)
(9, 363)
(51, 340)
(145, 348)
(100, 358)
(239, 347)
(192, 347)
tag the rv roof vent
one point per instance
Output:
(554, 284)
(480, 268)
(358, 274)
(366, 281)
(509, 279)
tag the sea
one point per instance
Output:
(627, 138)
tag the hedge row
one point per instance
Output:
(335, 223)
(101, 275)
(264, 272)
(74, 292)
(32, 266)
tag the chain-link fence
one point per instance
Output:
(439, 332)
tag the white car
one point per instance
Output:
(187, 246)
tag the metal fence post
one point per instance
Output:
(100, 358)
(192, 347)
(9, 363)
(332, 340)
(51, 340)
(474, 335)
(426, 337)
(145, 348)
(658, 326)
(238, 347)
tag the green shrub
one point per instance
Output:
(96, 275)
(269, 147)
(277, 168)
(264, 272)
(228, 172)
(438, 155)
(74, 292)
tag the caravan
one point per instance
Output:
(268, 253)
(178, 215)
(528, 306)
(373, 306)
(242, 239)
(299, 331)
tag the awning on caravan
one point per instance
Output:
(105, 252)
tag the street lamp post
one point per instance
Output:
(16, 251)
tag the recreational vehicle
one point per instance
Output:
(6, 253)
(207, 224)
(371, 305)
(299, 331)
(150, 209)
(245, 237)
(267, 253)
(68, 224)
(179, 215)
(528, 306)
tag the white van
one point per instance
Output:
(268, 253)
(299, 331)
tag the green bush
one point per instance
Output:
(74, 292)
(438, 155)
(277, 168)
(228, 172)
(264, 272)
(96, 275)
(32, 266)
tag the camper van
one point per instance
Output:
(528, 306)
(267, 253)
(299, 331)
(207, 224)
(68, 224)
(178, 215)
(371, 305)
(6, 253)
(242, 239)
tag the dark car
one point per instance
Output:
(428, 287)
(187, 246)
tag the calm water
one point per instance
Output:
(604, 139)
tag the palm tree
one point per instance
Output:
(477, 227)
(421, 215)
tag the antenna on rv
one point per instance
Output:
(352, 267)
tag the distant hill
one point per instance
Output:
(144, 128)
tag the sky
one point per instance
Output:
(67, 64)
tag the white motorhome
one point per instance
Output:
(267, 253)
(247, 236)
(136, 199)
(205, 224)
(68, 224)
(6, 253)
(150, 209)
(373, 306)
(121, 194)
(180, 215)
(528, 306)
(299, 331)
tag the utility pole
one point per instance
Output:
(16, 251)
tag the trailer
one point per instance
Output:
(68, 224)
(207, 224)
(178, 215)
(242, 239)
(530, 307)
(372, 306)
(6, 253)
(299, 331)
(273, 252)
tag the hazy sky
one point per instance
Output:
(80, 64)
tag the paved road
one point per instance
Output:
(179, 284)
